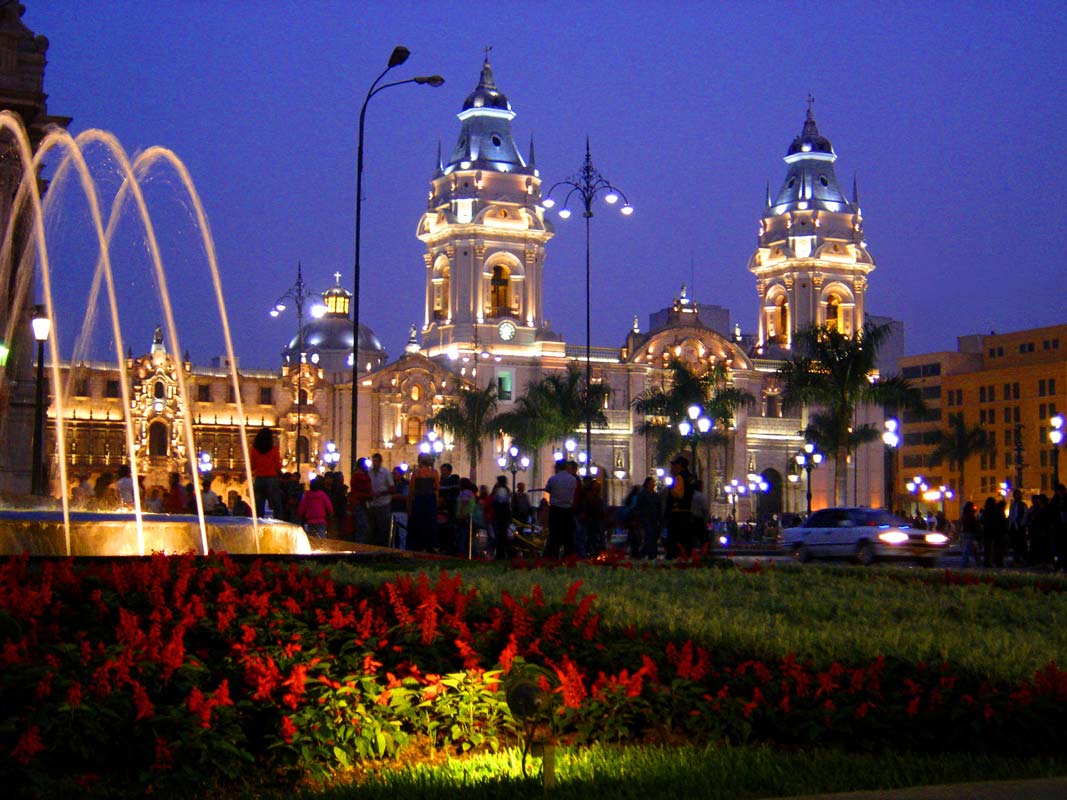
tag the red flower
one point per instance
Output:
(142, 705)
(288, 730)
(29, 745)
(164, 760)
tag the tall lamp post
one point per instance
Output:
(299, 294)
(696, 425)
(42, 327)
(918, 487)
(1055, 436)
(513, 461)
(808, 460)
(397, 57)
(587, 183)
(891, 440)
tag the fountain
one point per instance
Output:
(61, 531)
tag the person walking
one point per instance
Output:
(520, 505)
(970, 530)
(380, 504)
(650, 517)
(501, 505)
(315, 508)
(561, 490)
(423, 486)
(358, 497)
(994, 532)
(680, 509)
(266, 466)
(1017, 529)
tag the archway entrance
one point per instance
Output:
(770, 502)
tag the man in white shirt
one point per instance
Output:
(379, 507)
(124, 486)
(561, 490)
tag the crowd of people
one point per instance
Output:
(1034, 534)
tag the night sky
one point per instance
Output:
(953, 116)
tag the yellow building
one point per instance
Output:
(1010, 384)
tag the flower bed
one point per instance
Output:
(169, 673)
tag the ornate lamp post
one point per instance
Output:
(331, 457)
(917, 487)
(587, 183)
(432, 444)
(298, 293)
(1055, 436)
(513, 461)
(42, 327)
(204, 464)
(399, 56)
(809, 460)
(696, 425)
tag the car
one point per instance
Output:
(864, 535)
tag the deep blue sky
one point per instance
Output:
(953, 115)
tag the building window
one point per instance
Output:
(159, 391)
(834, 319)
(1007, 460)
(503, 386)
(931, 392)
(1051, 386)
(1043, 458)
(413, 430)
(984, 462)
(1007, 414)
(441, 289)
(231, 397)
(500, 291)
(158, 439)
(416, 392)
(203, 393)
(266, 395)
(1009, 440)
(111, 389)
(1041, 386)
(981, 394)
(1016, 414)
(981, 416)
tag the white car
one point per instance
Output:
(863, 535)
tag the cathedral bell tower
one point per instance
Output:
(485, 235)
(812, 263)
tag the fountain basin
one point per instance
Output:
(41, 533)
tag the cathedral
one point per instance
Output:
(486, 236)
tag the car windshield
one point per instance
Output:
(878, 517)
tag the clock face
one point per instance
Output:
(506, 331)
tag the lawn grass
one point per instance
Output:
(824, 613)
(709, 773)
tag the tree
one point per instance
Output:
(554, 407)
(666, 405)
(470, 420)
(959, 444)
(831, 372)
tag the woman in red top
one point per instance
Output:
(266, 474)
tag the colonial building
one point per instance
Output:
(486, 239)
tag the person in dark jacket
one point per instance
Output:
(680, 509)
(994, 532)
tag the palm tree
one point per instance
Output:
(665, 405)
(470, 420)
(831, 372)
(959, 444)
(558, 404)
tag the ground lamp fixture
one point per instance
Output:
(585, 185)
(42, 327)
(809, 459)
(396, 58)
(1055, 436)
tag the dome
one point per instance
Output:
(486, 95)
(810, 140)
(335, 333)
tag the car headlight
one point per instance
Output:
(893, 537)
(936, 538)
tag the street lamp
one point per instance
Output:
(587, 183)
(331, 457)
(513, 461)
(397, 57)
(1055, 436)
(432, 444)
(808, 460)
(299, 294)
(891, 440)
(204, 464)
(917, 486)
(42, 327)
(733, 490)
(694, 427)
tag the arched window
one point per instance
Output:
(500, 291)
(781, 318)
(303, 397)
(833, 313)
(414, 430)
(159, 391)
(441, 290)
(158, 438)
